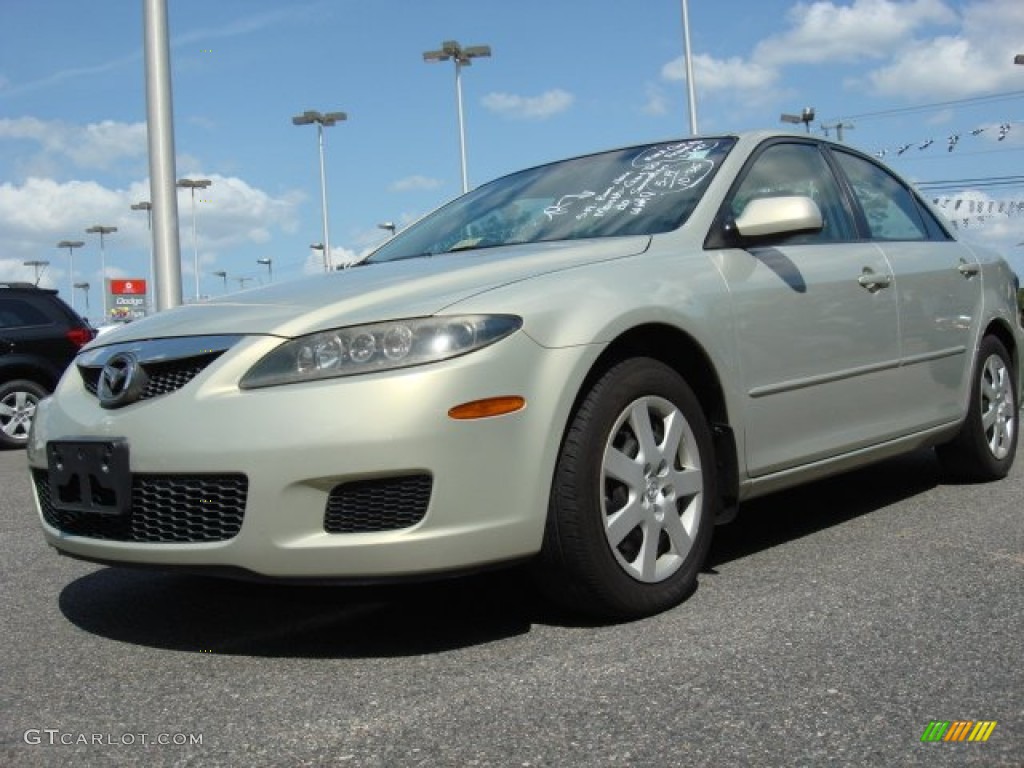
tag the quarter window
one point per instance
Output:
(15, 313)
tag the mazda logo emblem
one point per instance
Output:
(122, 381)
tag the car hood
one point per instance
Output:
(373, 292)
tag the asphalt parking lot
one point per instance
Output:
(833, 624)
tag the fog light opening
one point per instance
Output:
(491, 406)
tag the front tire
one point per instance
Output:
(987, 443)
(631, 510)
(18, 400)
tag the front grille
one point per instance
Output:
(163, 377)
(165, 508)
(387, 504)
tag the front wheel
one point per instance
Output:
(631, 510)
(987, 443)
(18, 400)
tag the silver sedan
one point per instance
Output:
(584, 366)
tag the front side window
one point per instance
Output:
(890, 208)
(792, 169)
(635, 191)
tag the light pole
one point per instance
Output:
(463, 57)
(241, 281)
(691, 91)
(269, 264)
(85, 289)
(223, 276)
(71, 245)
(320, 247)
(36, 263)
(193, 185)
(147, 206)
(389, 226)
(806, 117)
(328, 119)
(101, 230)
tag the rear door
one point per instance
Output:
(938, 286)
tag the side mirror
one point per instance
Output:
(765, 216)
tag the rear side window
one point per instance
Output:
(18, 313)
(890, 208)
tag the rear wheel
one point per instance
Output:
(630, 516)
(18, 400)
(987, 443)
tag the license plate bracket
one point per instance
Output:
(90, 475)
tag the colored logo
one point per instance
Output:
(958, 730)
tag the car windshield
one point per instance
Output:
(636, 191)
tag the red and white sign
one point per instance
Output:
(129, 287)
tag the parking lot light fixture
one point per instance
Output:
(1019, 58)
(389, 226)
(269, 264)
(463, 57)
(224, 276)
(193, 185)
(806, 117)
(36, 264)
(101, 230)
(147, 206)
(71, 245)
(320, 247)
(84, 287)
(321, 119)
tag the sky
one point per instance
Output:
(566, 77)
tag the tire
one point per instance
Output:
(631, 510)
(18, 400)
(987, 443)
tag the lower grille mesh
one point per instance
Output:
(165, 508)
(387, 504)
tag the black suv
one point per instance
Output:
(39, 337)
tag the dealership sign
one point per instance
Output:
(126, 299)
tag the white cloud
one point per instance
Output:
(975, 60)
(92, 146)
(826, 31)
(750, 82)
(657, 102)
(529, 107)
(410, 183)
(38, 213)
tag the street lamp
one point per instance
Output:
(269, 264)
(101, 230)
(1019, 58)
(389, 226)
(806, 117)
(193, 185)
(320, 247)
(71, 245)
(223, 276)
(463, 57)
(37, 264)
(241, 281)
(321, 119)
(85, 289)
(147, 206)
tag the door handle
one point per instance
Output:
(967, 269)
(873, 281)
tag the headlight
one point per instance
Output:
(377, 347)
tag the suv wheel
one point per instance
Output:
(18, 401)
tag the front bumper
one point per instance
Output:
(489, 478)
